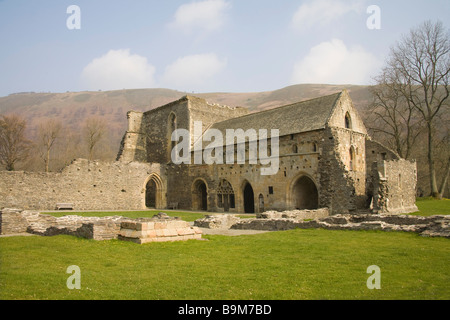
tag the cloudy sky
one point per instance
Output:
(201, 45)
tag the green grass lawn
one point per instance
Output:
(430, 207)
(295, 264)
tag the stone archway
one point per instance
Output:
(249, 198)
(304, 194)
(199, 195)
(154, 194)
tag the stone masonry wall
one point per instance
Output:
(274, 190)
(395, 190)
(88, 185)
(338, 186)
(391, 181)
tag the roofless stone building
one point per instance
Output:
(317, 155)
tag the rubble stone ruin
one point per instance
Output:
(159, 228)
(324, 159)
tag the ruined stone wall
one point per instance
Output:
(88, 185)
(208, 114)
(351, 150)
(133, 145)
(271, 192)
(179, 186)
(148, 137)
(391, 181)
(157, 128)
(375, 151)
(344, 107)
(394, 186)
(343, 190)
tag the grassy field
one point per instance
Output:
(295, 264)
(430, 207)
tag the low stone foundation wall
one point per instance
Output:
(434, 226)
(295, 214)
(217, 221)
(159, 228)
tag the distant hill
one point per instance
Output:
(73, 108)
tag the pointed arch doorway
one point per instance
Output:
(200, 195)
(154, 194)
(249, 198)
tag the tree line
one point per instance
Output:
(53, 146)
(410, 107)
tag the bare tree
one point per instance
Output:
(48, 132)
(393, 116)
(14, 146)
(93, 131)
(420, 62)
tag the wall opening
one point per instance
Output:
(200, 196)
(348, 121)
(249, 199)
(305, 194)
(225, 196)
(153, 193)
(150, 194)
(352, 159)
(171, 127)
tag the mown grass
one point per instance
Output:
(296, 264)
(292, 265)
(429, 207)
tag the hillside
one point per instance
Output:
(73, 108)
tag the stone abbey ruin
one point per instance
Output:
(326, 160)
(326, 164)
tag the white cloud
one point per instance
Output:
(192, 72)
(333, 63)
(203, 16)
(323, 12)
(118, 69)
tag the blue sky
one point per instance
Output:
(199, 46)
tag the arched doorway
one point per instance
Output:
(150, 194)
(305, 194)
(249, 199)
(199, 196)
(154, 193)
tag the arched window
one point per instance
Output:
(171, 127)
(294, 148)
(225, 196)
(352, 159)
(348, 121)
